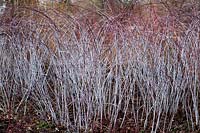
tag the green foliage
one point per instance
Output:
(12, 1)
(43, 125)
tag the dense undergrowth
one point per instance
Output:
(101, 71)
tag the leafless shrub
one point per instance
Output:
(79, 76)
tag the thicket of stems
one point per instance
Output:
(78, 75)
